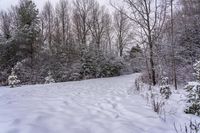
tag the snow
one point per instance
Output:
(193, 83)
(92, 106)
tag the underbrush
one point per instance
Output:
(170, 105)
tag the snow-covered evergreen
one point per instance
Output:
(49, 79)
(13, 79)
(193, 101)
(165, 89)
(193, 89)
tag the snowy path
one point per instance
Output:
(92, 106)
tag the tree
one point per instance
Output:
(193, 95)
(83, 38)
(149, 15)
(49, 79)
(5, 38)
(48, 19)
(63, 29)
(173, 46)
(5, 24)
(22, 45)
(62, 10)
(109, 35)
(97, 24)
(13, 79)
(28, 29)
(122, 28)
(81, 11)
(181, 41)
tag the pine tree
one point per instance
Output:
(27, 28)
(27, 33)
(165, 88)
(193, 90)
(13, 79)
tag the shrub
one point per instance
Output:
(111, 67)
(49, 79)
(165, 89)
(88, 65)
(192, 127)
(75, 77)
(99, 66)
(13, 79)
(193, 89)
(157, 105)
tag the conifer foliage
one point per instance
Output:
(193, 89)
(49, 79)
(13, 80)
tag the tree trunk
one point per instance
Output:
(173, 48)
(152, 65)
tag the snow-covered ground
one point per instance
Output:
(91, 106)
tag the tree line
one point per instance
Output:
(83, 39)
(74, 41)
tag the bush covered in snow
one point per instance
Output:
(98, 66)
(75, 77)
(165, 89)
(193, 89)
(110, 67)
(49, 79)
(13, 79)
(89, 65)
(191, 127)
(25, 71)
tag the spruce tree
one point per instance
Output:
(13, 79)
(27, 34)
(27, 29)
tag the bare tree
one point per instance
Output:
(81, 12)
(48, 19)
(122, 27)
(149, 15)
(109, 34)
(62, 11)
(5, 24)
(173, 46)
(63, 27)
(57, 37)
(97, 25)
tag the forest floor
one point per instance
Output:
(106, 105)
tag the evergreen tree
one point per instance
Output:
(193, 89)
(27, 28)
(165, 88)
(13, 79)
(26, 35)
(49, 79)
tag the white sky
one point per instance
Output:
(5, 4)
